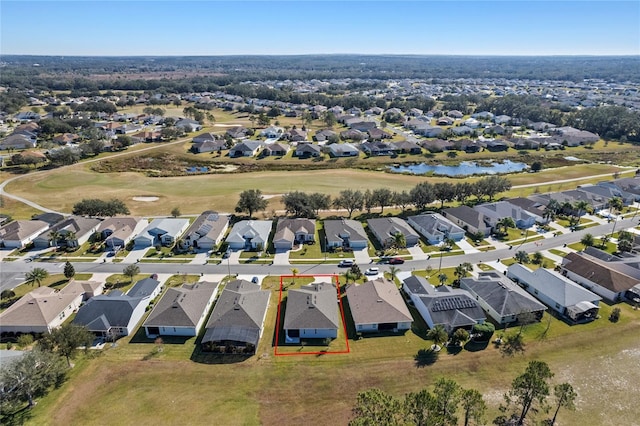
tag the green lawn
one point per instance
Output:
(57, 281)
(126, 378)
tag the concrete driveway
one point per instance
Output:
(361, 256)
(281, 257)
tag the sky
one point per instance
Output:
(200, 28)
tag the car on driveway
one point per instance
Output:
(396, 261)
(372, 271)
(255, 280)
(345, 263)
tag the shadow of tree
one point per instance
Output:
(454, 349)
(425, 357)
(476, 346)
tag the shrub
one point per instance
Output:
(615, 315)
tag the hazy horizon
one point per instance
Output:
(290, 28)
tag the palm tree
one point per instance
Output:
(36, 276)
(552, 209)
(442, 278)
(54, 236)
(504, 224)
(294, 272)
(439, 336)
(587, 240)
(70, 239)
(461, 271)
(615, 205)
(522, 257)
(393, 270)
(582, 206)
(399, 240)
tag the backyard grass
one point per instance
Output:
(56, 281)
(122, 282)
(136, 387)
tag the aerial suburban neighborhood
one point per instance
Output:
(319, 239)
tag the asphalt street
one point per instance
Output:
(12, 273)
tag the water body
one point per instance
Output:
(465, 168)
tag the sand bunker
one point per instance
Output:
(146, 199)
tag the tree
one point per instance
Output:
(28, 377)
(65, 340)
(69, 270)
(251, 201)
(460, 336)
(7, 294)
(329, 119)
(512, 344)
(529, 389)
(615, 205)
(446, 399)
(399, 240)
(442, 278)
(461, 271)
(98, 207)
(393, 271)
(131, 271)
(614, 316)
(587, 240)
(375, 407)
(492, 185)
(382, 197)
(522, 256)
(294, 272)
(537, 258)
(368, 200)
(439, 336)
(402, 199)
(504, 224)
(36, 276)
(422, 195)
(625, 241)
(581, 207)
(349, 200)
(473, 406)
(536, 166)
(565, 397)
(420, 407)
(298, 204)
(175, 212)
(54, 236)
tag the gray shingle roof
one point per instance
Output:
(238, 313)
(312, 306)
(105, 311)
(377, 301)
(182, 306)
(502, 294)
(552, 284)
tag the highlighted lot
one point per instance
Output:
(305, 345)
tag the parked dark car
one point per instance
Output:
(396, 261)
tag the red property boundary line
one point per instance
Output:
(344, 324)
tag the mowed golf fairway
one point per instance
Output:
(61, 189)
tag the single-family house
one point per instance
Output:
(363, 126)
(87, 289)
(182, 310)
(249, 235)
(237, 320)
(353, 134)
(437, 145)
(407, 147)
(146, 287)
(272, 132)
(500, 209)
(206, 137)
(378, 148)
(385, 229)
(306, 150)
(294, 231)
(501, 298)
(72, 231)
(452, 308)
(429, 131)
(20, 233)
(345, 233)
(164, 231)
(377, 306)
(296, 135)
(323, 135)
(435, 227)
(534, 208)
(311, 313)
(557, 292)
(468, 219)
(207, 231)
(343, 150)
(239, 132)
(276, 150)
(18, 141)
(112, 315)
(608, 192)
(209, 146)
(609, 279)
(116, 232)
(245, 149)
(454, 113)
(39, 311)
(188, 125)
(376, 134)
